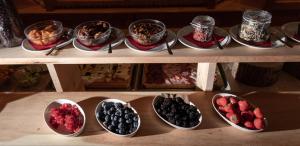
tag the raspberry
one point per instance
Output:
(68, 116)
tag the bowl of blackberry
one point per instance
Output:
(177, 111)
(118, 117)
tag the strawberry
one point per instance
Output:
(259, 123)
(247, 115)
(221, 108)
(234, 118)
(233, 100)
(258, 113)
(229, 108)
(243, 105)
(249, 125)
(222, 101)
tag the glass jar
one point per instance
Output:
(11, 33)
(203, 28)
(255, 25)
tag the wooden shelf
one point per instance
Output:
(122, 54)
(22, 122)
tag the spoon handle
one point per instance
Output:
(51, 50)
(169, 48)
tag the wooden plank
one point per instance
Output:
(66, 77)
(205, 76)
(121, 54)
(22, 122)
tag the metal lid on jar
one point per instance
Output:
(203, 21)
(259, 16)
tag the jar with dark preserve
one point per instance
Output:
(255, 26)
(11, 33)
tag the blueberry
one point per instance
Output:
(177, 122)
(135, 118)
(128, 121)
(179, 100)
(126, 116)
(122, 131)
(121, 126)
(111, 128)
(118, 113)
(159, 111)
(107, 118)
(118, 105)
(184, 118)
(121, 120)
(116, 118)
(177, 116)
(135, 124)
(112, 117)
(114, 123)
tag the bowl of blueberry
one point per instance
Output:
(118, 117)
(65, 117)
(177, 111)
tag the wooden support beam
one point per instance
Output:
(66, 77)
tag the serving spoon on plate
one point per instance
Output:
(67, 35)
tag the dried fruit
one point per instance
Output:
(259, 123)
(258, 113)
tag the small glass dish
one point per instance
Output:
(44, 33)
(203, 28)
(93, 33)
(255, 26)
(147, 31)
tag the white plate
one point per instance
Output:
(171, 39)
(120, 38)
(228, 121)
(173, 125)
(290, 29)
(188, 29)
(234, 31)
(125, 104)
(28, 47)
(56, 104)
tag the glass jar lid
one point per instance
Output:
(259, 16)
(203, 21)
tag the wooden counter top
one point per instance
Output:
(22, 123)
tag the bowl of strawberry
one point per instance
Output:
(65, 117)
(239, 113)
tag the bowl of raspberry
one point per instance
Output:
(65, 117)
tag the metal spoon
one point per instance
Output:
(167, 44)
